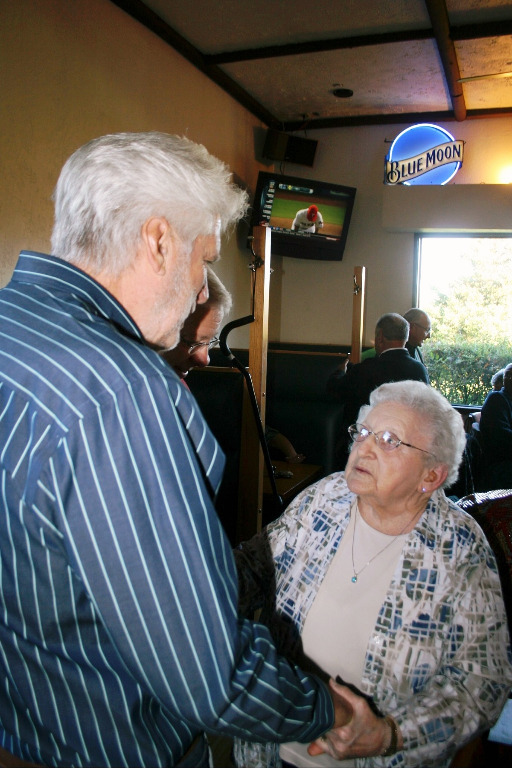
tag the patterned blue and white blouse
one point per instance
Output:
(438, 659)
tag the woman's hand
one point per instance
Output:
(365, 735)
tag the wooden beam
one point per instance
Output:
(441, 25)
(319, 46)
(464, 32)
(250, 501)
(358, 314)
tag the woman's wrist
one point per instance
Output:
(392, 738)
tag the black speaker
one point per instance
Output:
(282, 146)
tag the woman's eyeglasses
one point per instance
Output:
(386, 440)
(191, 345)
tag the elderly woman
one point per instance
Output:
(381, 581)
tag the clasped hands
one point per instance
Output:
(357, 730)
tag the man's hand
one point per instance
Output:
(357, 731)
(343, 366)
(343, 712)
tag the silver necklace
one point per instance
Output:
(356, 573)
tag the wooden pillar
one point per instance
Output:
(250, 503)
(358, 314)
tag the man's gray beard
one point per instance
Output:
(176, 295)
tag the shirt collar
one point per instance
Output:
(391, 349)
(58, 275)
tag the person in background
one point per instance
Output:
(475, 416)
(201, 329)
(497, 380)
(370, 352)
(374, 577)
(121, 642)
(392, 362)
(308, 220)
(496, 436)
(199, 335)
(420, 330)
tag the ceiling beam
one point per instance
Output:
(390, 118)
(485, 29)
(441, 26)
(466, 32)
(318, 46)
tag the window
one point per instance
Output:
(465, 285)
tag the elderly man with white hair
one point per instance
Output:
(121, 643)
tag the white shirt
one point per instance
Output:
(335, 636)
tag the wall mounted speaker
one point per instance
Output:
(294, 149)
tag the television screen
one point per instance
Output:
(309, 219)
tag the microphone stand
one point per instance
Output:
(226, 351)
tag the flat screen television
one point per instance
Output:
(309, 219)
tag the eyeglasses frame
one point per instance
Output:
(191, 345)
(427, 331)
(355, 429)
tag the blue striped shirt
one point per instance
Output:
(119, 637)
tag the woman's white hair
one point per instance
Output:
(446, 435)
(109, 187)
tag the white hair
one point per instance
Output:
(446, 435)
(219, 297)
(394, 327)
(109, 187)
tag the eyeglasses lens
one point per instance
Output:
(385, 440)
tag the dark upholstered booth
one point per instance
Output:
(298, 406)
(296, 401)
(493, 511)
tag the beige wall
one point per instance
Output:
(75, 69)
(316, 298)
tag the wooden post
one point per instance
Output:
(358, 314)
(250, 503)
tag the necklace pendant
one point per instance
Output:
(353, 579)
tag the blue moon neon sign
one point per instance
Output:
(423, 154)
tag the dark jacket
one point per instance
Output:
(416, 354)
(496, 427)
(354, 387)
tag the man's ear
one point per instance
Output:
(434, 478)
(157, 240)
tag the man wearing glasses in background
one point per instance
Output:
(420, 329)
(200, 330)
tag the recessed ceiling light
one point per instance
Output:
(342, 93)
